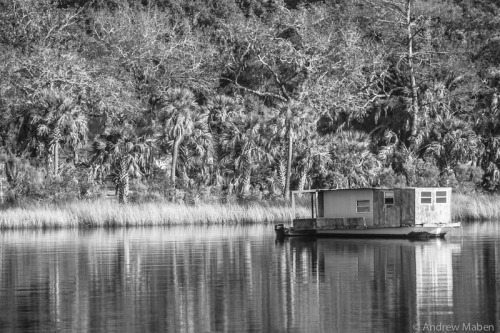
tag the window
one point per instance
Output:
(426, 197)
(362, 206)
(440, 196)
(389, 198)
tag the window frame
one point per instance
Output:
(440, 195)
(389, 195)
(367, 205)
(426, 199)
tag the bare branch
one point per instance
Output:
(395, 8)
(277, 79)
(256, 92)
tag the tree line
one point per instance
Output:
(247, 98)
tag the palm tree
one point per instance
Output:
(221, 111)
(177, 110)
(398, 156)
(120, 153)
(310, 150)
(453, 141)
(486, 119)
(353, 164)
(293, 121)
(55, 120)
(196, 152)
(243, 143)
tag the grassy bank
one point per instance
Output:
(108, 213)
(475, 207)
(111, 214)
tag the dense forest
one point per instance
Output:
(192, 100)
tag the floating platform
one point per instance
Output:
(422, 231)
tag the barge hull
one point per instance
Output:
(388, 232)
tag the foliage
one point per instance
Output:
(352, 163)
(193, 101)
(119, 154)
(24, 180)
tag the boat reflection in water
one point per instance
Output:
(237, 279)
(372, 285)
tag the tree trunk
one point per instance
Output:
(175, 154)
(185, 177)
(56, 157)
(414, 93)
(11, 171)
(151, 162)
(123, 181)
(56, 137)
(494, 102)
(302, 180)
(281, 176)
(245, 186)
(286, 195)
(75, 156)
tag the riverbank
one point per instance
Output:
(107, 213)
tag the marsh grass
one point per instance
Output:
(107, 213)
(477, 207)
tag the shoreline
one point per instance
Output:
(107, 213)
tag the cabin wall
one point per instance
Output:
(386, 215)
(432, 205)
(321, 204)
(400, 212)
(407, 206)
(343, 203)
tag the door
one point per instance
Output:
(387, 207)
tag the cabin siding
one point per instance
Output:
(342, 203)
(387, 215)
(432, 211)
(321, 204)
(408, 206)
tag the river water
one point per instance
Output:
(240, 279)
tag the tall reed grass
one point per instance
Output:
(111, 214)
(107, 213)
(475, 207)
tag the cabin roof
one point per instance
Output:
(371, 189)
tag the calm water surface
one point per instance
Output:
(239, 279)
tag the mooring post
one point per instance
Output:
(312, 205)
(316, 203)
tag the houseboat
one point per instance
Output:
(374, 212)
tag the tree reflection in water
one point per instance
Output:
(237, 278)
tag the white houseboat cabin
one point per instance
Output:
(396, 212)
